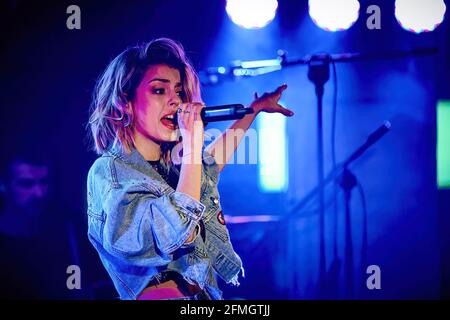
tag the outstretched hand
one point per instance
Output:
(268, 102)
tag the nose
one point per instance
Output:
(175, 100)
(39, 191)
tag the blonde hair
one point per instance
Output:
(111, 121)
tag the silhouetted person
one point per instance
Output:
(35, 243)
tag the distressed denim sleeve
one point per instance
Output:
(140, 224)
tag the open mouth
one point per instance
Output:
(169, 121)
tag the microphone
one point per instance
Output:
(222, 113)
(377, 134)
(373, 137)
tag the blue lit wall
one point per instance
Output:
(397, 174)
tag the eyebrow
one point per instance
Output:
(165, 81)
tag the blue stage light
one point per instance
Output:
(251, 14)
(332, 15)
(418, 15)
(272, 153)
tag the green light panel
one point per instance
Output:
(443, 144)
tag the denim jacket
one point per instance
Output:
(139, 225)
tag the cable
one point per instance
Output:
(333, 118)
(364, 245)
(333, 156)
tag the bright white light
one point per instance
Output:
(272, 152)
(333, 15)
(252, 14)
(261, 63)
(419, 15)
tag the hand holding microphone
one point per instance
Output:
(191, 129)
(221, 113)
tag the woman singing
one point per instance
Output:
(157, 223)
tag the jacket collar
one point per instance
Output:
(135, 160)
(134, 157)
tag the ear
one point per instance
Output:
(128, 113)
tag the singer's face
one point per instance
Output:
(156, 101)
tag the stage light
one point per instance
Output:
(418, 15)
(251, 14)
(332, 15)
(272, 153)
(443, 142)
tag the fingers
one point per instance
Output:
(285, 111)
(183, 114)
(269, 102)
(190, 125)
(277, 93)
(190, 112)
(197, 109)
(281, 88)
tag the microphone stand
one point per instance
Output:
(347, 181)
(318, 74)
